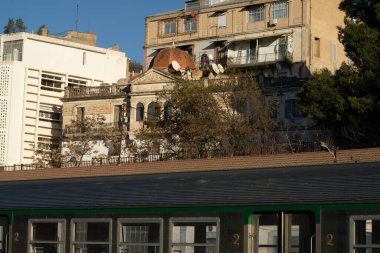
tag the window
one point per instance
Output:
(118, 116)
(47, 113)
(47, 143)
(365, 234)
(13, 50)
(317, 47)
(278, 10)
(283, 232)
(80, 113)
(139, 112)
(91, 235)
(51, 82)
(291, 109)
(168, 111)
(46, 236)
(140, 235)
(154, 111)
(222, 20)
(190, 235)
(76, 83)
(170, 27)
(49, 116)
(2, 238)
(190, 25)
(256, 14)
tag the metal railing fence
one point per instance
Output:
(297, 147)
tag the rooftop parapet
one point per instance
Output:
(99, 91)
(197, 5)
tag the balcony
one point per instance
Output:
(100, 91)
(252, 59)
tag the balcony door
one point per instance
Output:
(284, 233)
(3, 235)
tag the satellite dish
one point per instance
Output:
(221, 69)
(176, 65)
(210, 57)
(278, 66)
(215, 68)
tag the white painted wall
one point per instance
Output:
(63, 58)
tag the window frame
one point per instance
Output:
(9, 54)
(256, 13)
(76, 82)
(154, 112)
(121, 221)
(171, 23)
(219, 22)
(172, 221)
(353, 245)
(140, 111)
(50, 81)
(90, 220)
(292, 111)
(47, 143)
(60, 242)
(277, 11)
(190, 23)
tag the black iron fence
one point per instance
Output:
(296, 147)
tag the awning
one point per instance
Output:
(261, 35)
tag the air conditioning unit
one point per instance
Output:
(273, 22)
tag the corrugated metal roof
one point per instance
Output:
(351, 183)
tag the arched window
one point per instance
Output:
(154, 111)
(140, 112)
(168, 111)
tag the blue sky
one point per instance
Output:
(113, 21)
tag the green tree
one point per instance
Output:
(20, 26)
(14, 27)
(135, 66)
(347, 103)
(227, 116)
(82, 136)
(10, 27)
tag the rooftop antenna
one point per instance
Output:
(77, 20)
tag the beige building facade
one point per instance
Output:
(280, 42)
(299, 35)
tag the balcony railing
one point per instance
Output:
(114, 126)
(256, 59)
(77, 92)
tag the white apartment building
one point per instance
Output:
(34, 71)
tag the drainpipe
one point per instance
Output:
(310, 48)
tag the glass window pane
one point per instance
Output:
(360, 232)
(140, 233)
(45, 231)
(268, 229)
(92, 231)
(194, 237)
(202, 232)
(376, 232)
